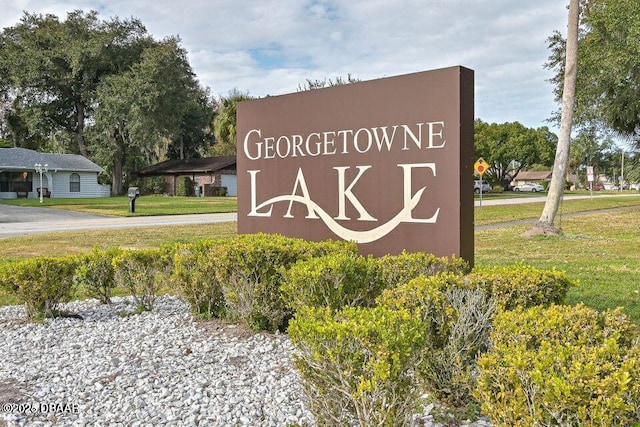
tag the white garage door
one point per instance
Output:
(231, 182)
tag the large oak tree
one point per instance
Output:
(51, 68)
(152, 110)
(106, 89)
(512, 147)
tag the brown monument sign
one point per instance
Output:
(387, 163)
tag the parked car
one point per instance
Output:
(529, 186)
(481, 185)
(597, 187)
(610, 186)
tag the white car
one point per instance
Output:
(529, 186)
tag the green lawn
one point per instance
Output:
(505, 213)
(145, 205)
(599, 250)
(525, 194)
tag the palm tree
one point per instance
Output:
(224, 123)
(545, 225)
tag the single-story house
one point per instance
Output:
(209, 174)
(63, 175)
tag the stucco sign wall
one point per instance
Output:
(387, 163)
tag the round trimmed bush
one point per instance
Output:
(561, 366)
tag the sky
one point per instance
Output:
(271, 47)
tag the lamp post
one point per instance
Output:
(40, 169)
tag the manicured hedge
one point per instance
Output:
(240, 278)
(357, 364)
(41, 282)
(399, 269)
(194, 277)
(95, 273)
(249, 268)
(347, 280)
(522, 285)
(457, 320)
(337, 280)
(561, 366)
(184, 186)
(142, 272)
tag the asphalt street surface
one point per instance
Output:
(16, 221)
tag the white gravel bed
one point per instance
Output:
(159, 368)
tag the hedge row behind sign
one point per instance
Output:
(386, 163)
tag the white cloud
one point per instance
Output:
(272, 46)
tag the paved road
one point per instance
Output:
(15, 220)
(537, 199)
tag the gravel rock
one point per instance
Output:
(161, 368)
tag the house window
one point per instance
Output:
(4, 181)
(74, 183)
(16, 181)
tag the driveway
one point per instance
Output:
(16, 220)
(19, 214)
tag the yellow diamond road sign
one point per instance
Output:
(481, 166)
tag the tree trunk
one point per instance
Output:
(545, 225)
(80, 116)
(118, 164)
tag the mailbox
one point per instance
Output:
(134, 193)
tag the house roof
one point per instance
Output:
(20, 159)
(187, 166)
(533, 176)
(541, 176)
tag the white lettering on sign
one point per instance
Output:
(425, 136)
(346, 193)
(315, 211)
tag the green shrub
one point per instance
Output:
(194, 275)
(398, 269)
(561, 366)
(184, 186)
(450, 371)
(337, 280)
(96, 275)
(152, 185)
(41, 282)
(143, 272)
(457, 312)
(357, 364)
(456, 321)
(249, 268)
(521, 285)
(425, 297)
(497, 189)
(211, 191)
